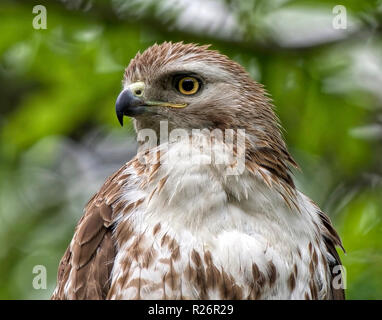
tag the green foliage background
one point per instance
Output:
(58, 87)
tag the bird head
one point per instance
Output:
(193, 87)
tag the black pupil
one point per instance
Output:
(188, 85)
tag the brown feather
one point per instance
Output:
(332, 239)
(88, 261)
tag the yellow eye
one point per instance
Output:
(188, 85)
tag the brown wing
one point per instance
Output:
(85, 268)
(332, 240)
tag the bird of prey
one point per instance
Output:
(170, 226)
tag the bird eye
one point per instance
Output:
(188, 85)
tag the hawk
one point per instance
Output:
(170, 226)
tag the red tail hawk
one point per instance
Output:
(177, 228)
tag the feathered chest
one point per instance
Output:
(185, 230)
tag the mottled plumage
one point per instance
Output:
(185, 229)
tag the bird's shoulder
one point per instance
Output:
(85, 268)
(331, 240)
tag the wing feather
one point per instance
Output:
(332, 240)
(85, 268)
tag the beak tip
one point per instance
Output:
(120, 118)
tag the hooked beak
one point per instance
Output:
(128, 105)
(130, 102)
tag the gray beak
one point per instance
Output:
(128, 105)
